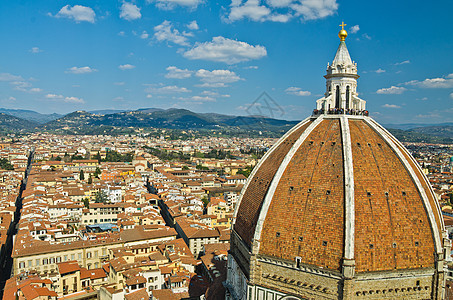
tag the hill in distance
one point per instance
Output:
(111, 121)
(106, 111)
(10, 123)
(30, 115)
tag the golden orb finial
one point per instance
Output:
(342, 34)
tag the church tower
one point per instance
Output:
(337, 209)
(341, 81)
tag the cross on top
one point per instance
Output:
(342, 25)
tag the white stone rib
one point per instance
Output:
(276, 180)
(383, 133)
(348, 189)
(257, 167)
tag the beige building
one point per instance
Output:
(44, 257)
(69, 279)
(101, 213)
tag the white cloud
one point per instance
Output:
(430, 115)
(12, 98)
(193, 25)
(212, 85)
(77, 13)
(35, 50)
(402, 63)
(391, 106)
(121, 33)
(225, 50)
(279, 3)
(297, 91)
(80, 70)
(195, 99)
(451, 95)
(54, 96)
(216, 78)
(18, 83)
(174, 72)
(149, 96)
(210, 93)
(354, 29)
(166, 32)
(170, 89)
(171, 4)
(10, 77)
(281, 10)
(119, 83)
(366, 36)
(434, 83)
(215, 94)
(251, 67)
(392, 90)
(130, 11)
(379, 71)
(251, 9)
(315, 9)
(203, 98)
(144, 35)
(65, 99)
(73, 100)
(35, 90)
(126, 67)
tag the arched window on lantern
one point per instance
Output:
(337, 97)
(347, 97)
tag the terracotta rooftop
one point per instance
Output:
(68, 267)
(137, 295)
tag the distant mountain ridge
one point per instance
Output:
(409, 126)
(9, 123)
(110, 121)
(172, 118)
(30, 115)
(106, 111)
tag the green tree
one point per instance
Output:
(77, 157)
(114, 156)
(100, 197)
(97, 172)
(246, 172)
(90, 179)
(81, 175)
(97, 156)
(86, 202)
(66, 157)
(205, 200)
(5, 164)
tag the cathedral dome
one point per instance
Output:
(339, 187)
(338, 208)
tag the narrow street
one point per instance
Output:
(6, 262)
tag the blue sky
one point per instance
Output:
(220, 56)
